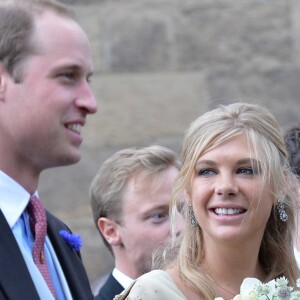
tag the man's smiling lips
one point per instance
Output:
(76, 127)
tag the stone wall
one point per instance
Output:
(158, 65)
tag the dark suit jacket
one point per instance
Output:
(110, 289)
(15, 280)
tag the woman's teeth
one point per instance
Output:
(228, 211)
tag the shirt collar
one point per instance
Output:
(123, 279)
(13, 198)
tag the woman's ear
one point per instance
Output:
(187, 195)
(109, 229)
(289, 181)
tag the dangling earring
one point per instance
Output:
(283, 216)
(193, 220)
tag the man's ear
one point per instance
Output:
(109, 229)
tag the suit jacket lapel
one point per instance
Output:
(69, 259)
(110, 289)
(15, 280)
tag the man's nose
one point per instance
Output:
(86, 99)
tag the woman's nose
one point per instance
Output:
(226, 185)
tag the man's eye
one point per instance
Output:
(69, 76)
(158, 217)
(89, 79)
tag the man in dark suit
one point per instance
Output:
(45, 66)
(130, 197)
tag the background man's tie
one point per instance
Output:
(38, 225)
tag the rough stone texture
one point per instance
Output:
(134, 42)
(229, 34)
(158, 65)
(140, 108)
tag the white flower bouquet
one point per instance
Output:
(253, 289)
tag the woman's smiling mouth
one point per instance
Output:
(228, 211)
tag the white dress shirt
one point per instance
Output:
(123, 279)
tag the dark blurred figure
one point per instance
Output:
(292, 142)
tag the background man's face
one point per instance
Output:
(146, 217)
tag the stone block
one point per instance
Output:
(277, 89)
(133, 40)
(88, 18)
(136, 109)
(213, 34)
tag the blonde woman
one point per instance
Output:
(240, 206)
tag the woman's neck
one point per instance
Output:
(226, 267)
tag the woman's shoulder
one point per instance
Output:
(155, 285)
(157, 278)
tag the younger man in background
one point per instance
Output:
(130, 198)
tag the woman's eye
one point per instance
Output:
(206, 172)
(246, 171)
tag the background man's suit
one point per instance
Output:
(15, 280)
(110, 289)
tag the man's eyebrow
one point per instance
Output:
(73, 67)
(156, 208)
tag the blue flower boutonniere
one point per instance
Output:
(73, 239)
